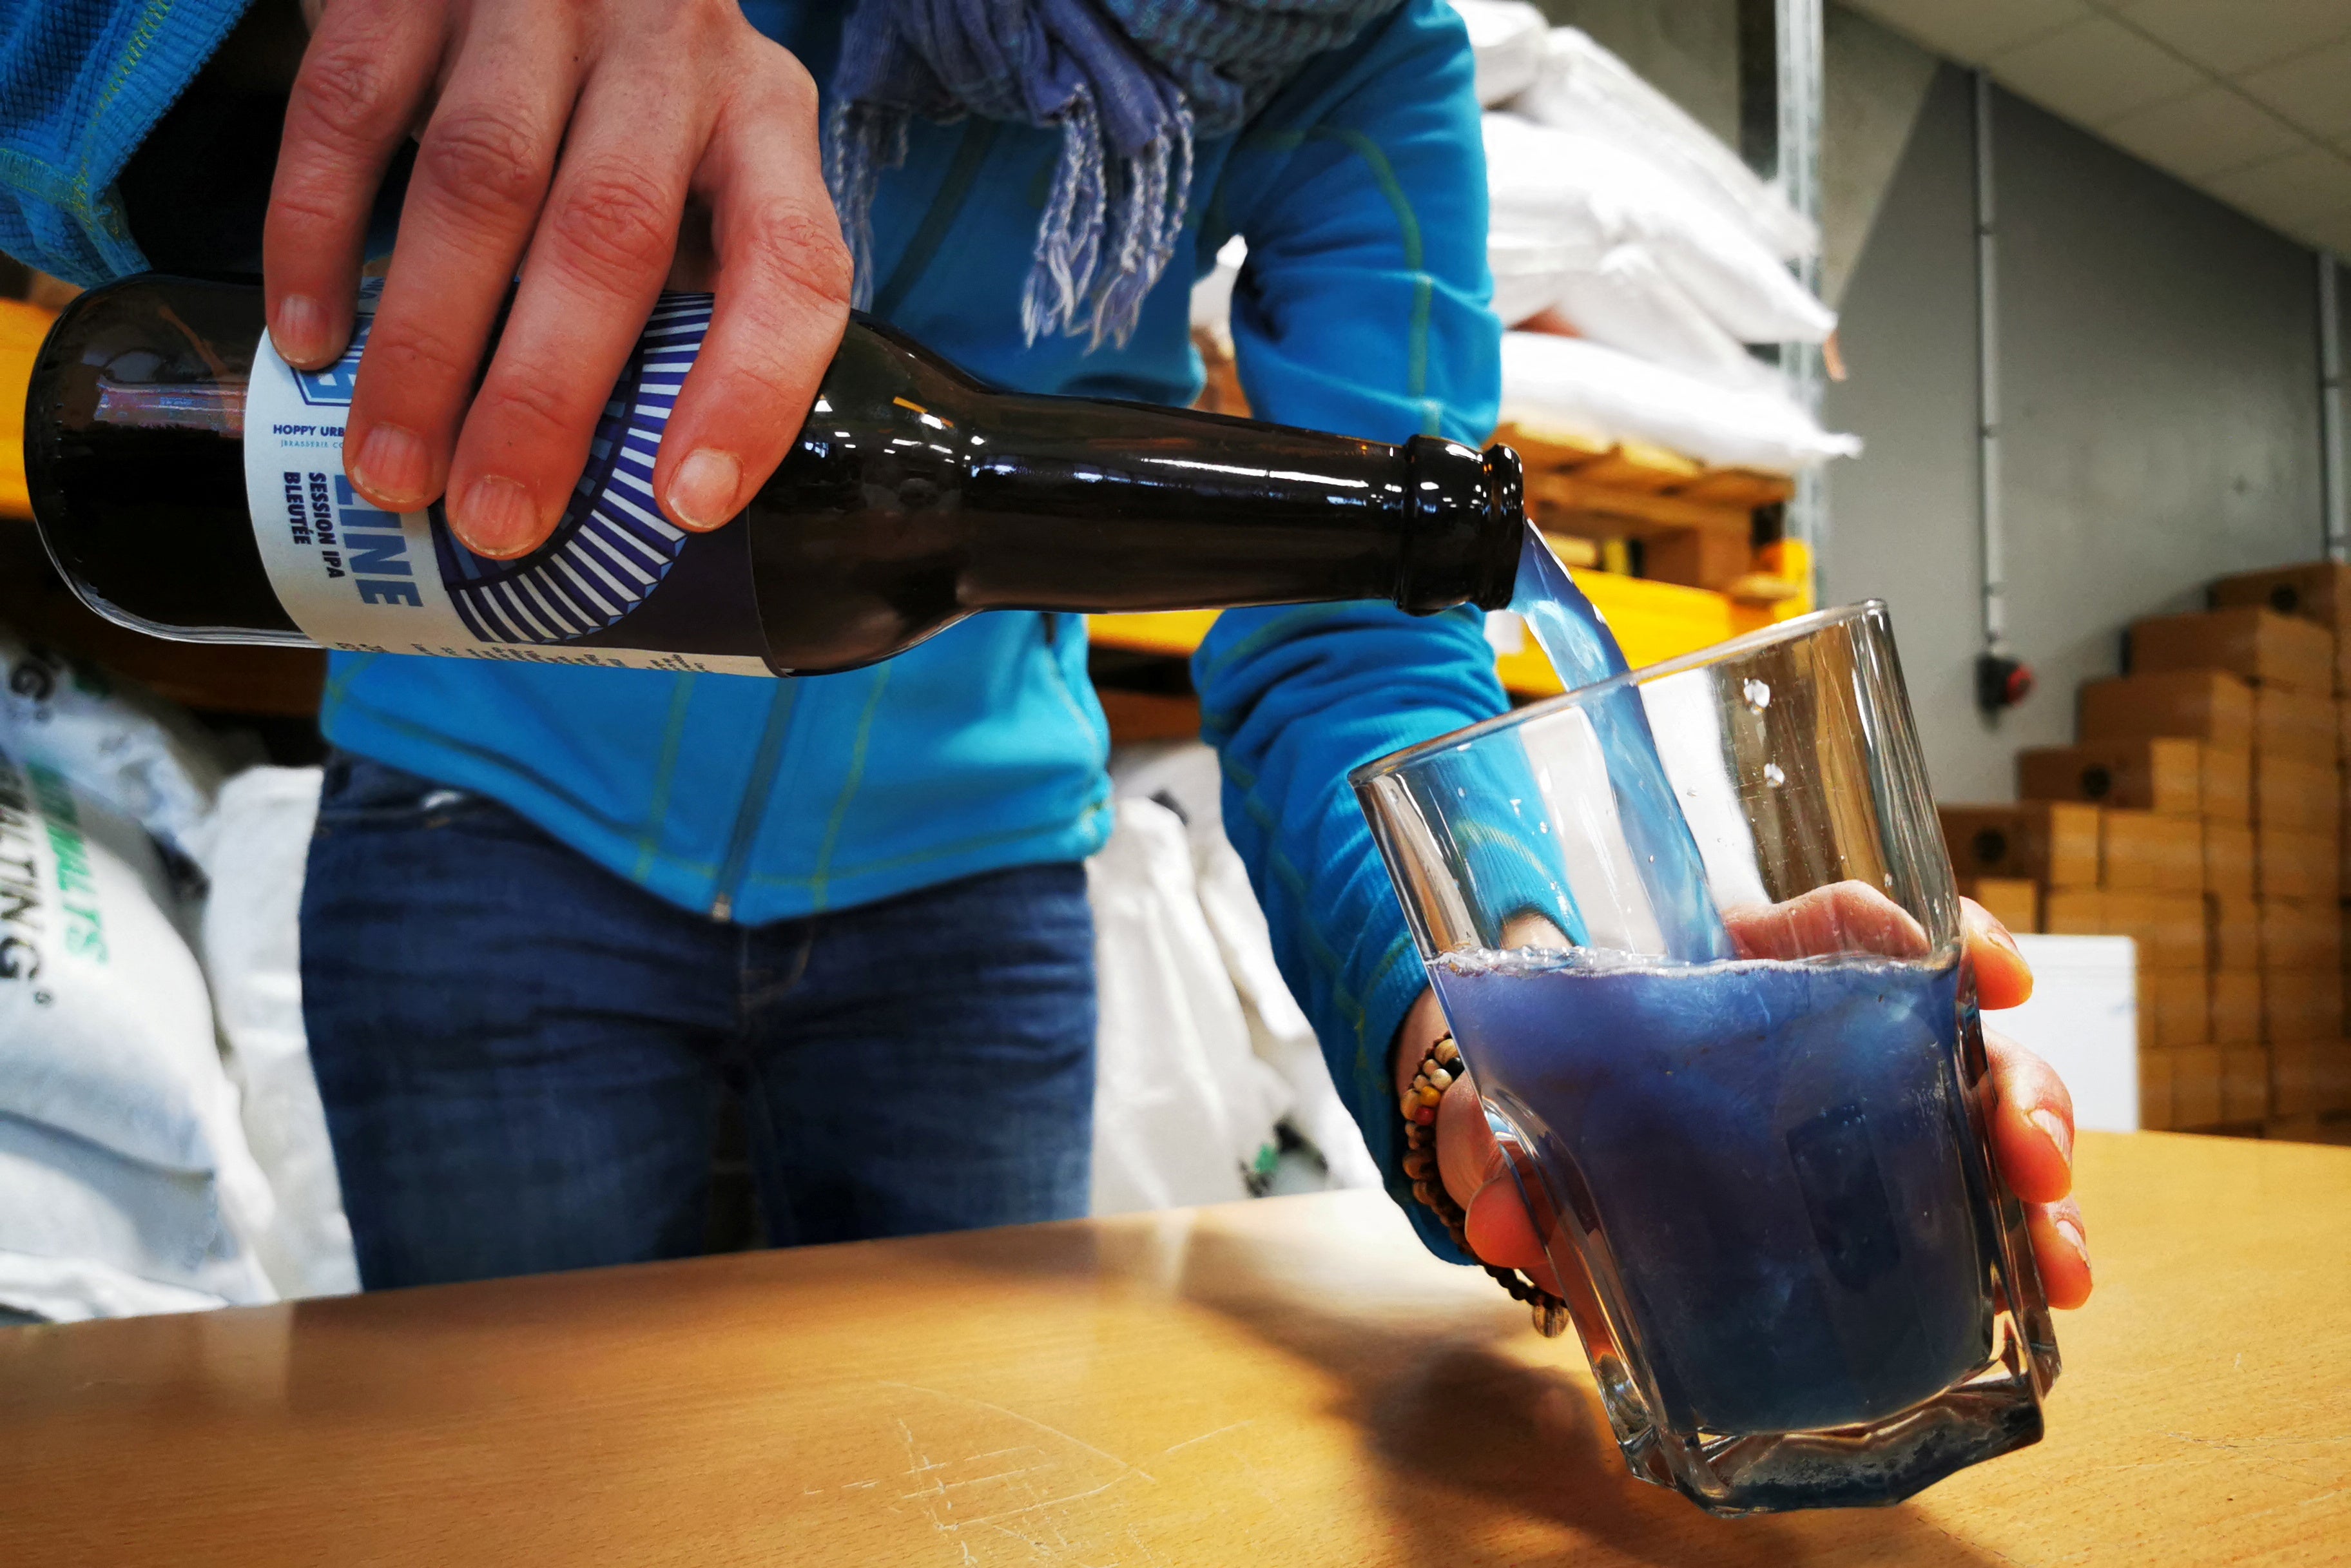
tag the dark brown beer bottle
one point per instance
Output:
(189, 485)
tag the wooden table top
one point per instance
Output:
(1285, 1381)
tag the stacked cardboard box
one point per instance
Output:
(2010, 858)
(2310, 1061)
(2255, 688)
(2173, 840)
(2248, 670)
(2206, 813)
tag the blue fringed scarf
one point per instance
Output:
(1130, 83)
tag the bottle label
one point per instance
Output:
(616, 573)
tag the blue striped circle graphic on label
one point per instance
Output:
(614, 546)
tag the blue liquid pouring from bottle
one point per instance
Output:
(1582, 649)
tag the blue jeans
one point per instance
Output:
(523, 1056)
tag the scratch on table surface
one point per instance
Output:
(941, 1485)
(920, 1461)
(1015, 1496)
(1041, 1503)
(1233, 1427)
(1015, 1415)
(980, 1481)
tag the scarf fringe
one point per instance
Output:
(1070, 234)
(1158, 185)
(1102, 242)
(861, 142)
(1132, 84)
(1103, 245)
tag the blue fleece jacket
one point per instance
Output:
(1361, 191)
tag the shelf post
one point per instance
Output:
(1781, 73)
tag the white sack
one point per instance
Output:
(1534, 200)
(1627, 302)
(1583, 390)
(123, 1144)
(86, 1233)
(1593, 194)
(1279, 1031)
(1582, 86)
(74, 1289)
(1508, 40)
(106, 1029)
(131, 752)
(1184, 777)
(253, 957)
(1529, 272)
(1183, 1112)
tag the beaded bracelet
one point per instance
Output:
(1438, 1069)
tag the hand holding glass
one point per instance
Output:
(1696, 932)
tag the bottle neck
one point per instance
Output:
(1126, 506)
(915, 497)
(1074, 504)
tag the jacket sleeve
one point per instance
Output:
(1362, 308)
(83, 83)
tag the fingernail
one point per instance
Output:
(300, 331)
(1999, 934)
(2071, 1232)
(394, 468)
(2058, 1133)
(702, 491)
(496, 519)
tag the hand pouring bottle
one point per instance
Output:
(189, 485)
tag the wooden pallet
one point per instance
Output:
(1698, 525)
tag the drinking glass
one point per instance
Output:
(1696, 934)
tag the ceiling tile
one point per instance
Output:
(2313, 90)
(2229, 36)
(2094, 70)
(1972, 31)
(2211, 130)
(2300, 188)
